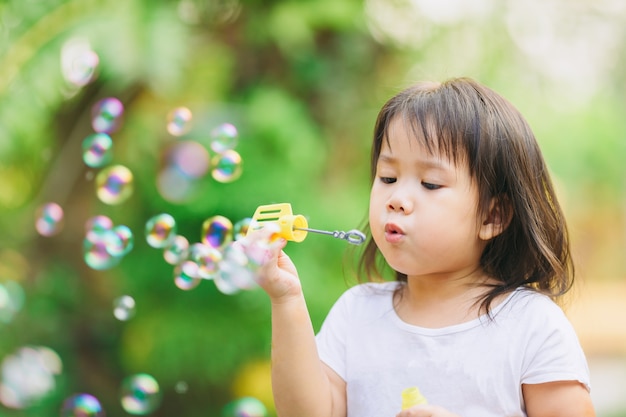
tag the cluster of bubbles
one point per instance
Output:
(29, 374)
(187, 161)
(105, 244)
(218, 256)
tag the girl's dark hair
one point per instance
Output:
(469, 122)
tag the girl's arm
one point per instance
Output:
(302, 385)
(557, 399)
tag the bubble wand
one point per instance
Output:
(295, 227)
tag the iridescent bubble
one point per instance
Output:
(125, 243)
(178, 251)
(245, 407)
(11, 300)
(140, 394)
(179, 121)
(161, 231)
(28, 375)
(114, 184)
(124, 307)
(186, 276)
(240, 229)
(107, 115)
(224, 137)
(49, 219)
(96, 249)
(235, 272)
(98, 223)
(78, 62)
(217, 231)
(97, 150)
(227, 166)
(207, 258)
(190, 158)
(82, 405)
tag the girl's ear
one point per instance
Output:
(498, 218)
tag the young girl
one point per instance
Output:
(463, 211)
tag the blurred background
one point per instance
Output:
(126, 127)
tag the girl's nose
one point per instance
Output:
(400, 203)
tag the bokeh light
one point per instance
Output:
(140, 394)
(49, 219)
(224, 137)
(114, 184)
(79, 62)
(245, 407)
(179, 121)
(217, 231)
(107, 115)
(11, 300)
(227, 166)
(28, 375)
(124, 307)
(97, 150)
(189, 158)
(161, 230)
(82, 405)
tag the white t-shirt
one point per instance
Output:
(474, 369)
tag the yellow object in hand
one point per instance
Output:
(412, 396)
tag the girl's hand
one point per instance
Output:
(426, 411)
(276, 274)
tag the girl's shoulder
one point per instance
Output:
(531, 305)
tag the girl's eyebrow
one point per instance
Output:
(427, 163)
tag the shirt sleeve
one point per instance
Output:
(331, 339)
(553, 351)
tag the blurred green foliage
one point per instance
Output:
(302, 81)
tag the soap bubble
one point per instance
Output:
(186, 275)
(217, 231)
(178, 251)
(123, 245)
(28, 375)
(161, 231)
(107, 115)
(49, 219)
(140, 394)
(207, 258)
(97, 150)
(245, 407)
(124, 307)
(240, 229)
(96, 249)
(223, 138)
(227, 166)
(235, 271)
(11, 300)
(82, 405)
(189, 158)
(179, 121)
(98, 223)
(114, 184)
(78, 62)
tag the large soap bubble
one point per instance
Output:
(114, 184)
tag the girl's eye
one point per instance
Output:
(430, 186)
(387, 180)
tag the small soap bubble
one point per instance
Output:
(124, 307)
(28, 375)
(97, 150)
(217, 231)
(96, 249)
(179, 121)
(240, 229)
(189, 158)
(124, 242)
(178, 251)
(98, 223)
(207, 258)
(245, 407)
(49, 219)
(114, 184)
(107, 115)
(161, 231)
(227, 166)
(140, 394)
(82, 405)
(186, 275)
(224, 137)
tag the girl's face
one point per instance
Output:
(423, 209)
